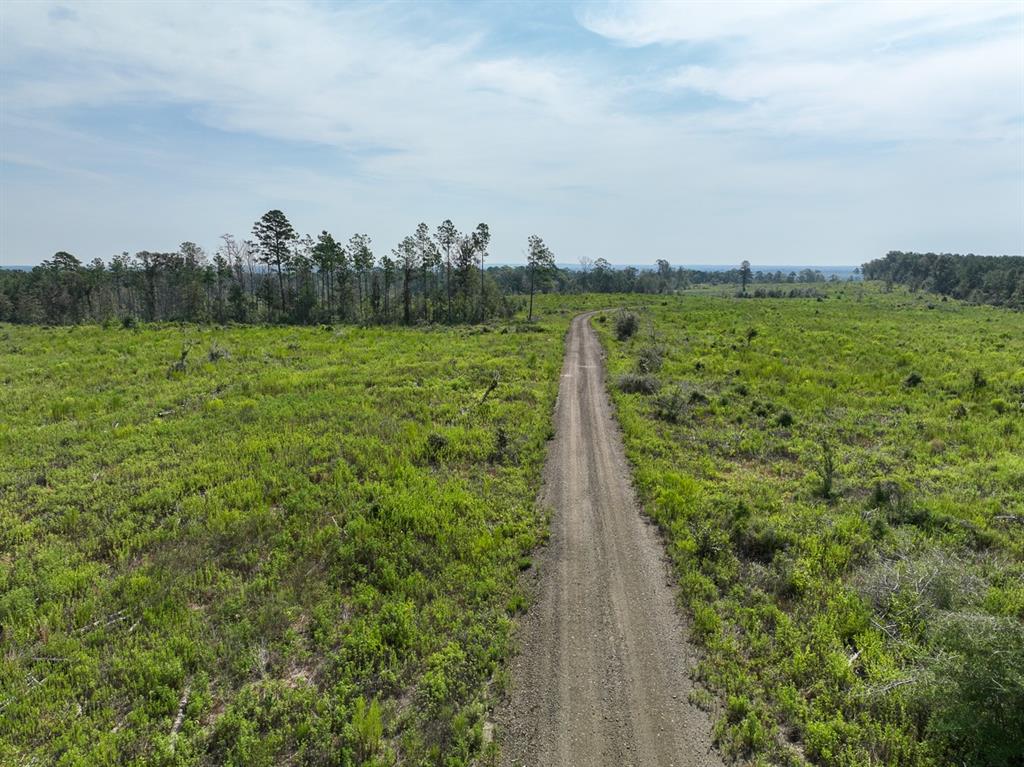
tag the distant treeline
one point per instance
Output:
(278, 276)
(599, 276)
(997, 280)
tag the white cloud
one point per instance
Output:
(904, 70)
(438, 119)
(819, 26)
(340, 77)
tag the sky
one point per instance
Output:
(798, 133)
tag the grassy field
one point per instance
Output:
(289, 546)
(841, 484)
(301, 546)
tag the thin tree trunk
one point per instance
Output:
(448, 281)
(481, 287)
(426, 317)
(406, 298)
(280, 282)
(530, 318)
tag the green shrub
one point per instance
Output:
(633, 383)
(760, 539)
(62, 409)
(896, 499)
(697, 397)
(650, 359)
(826, 468)
(626, 325)
(672, 405)
(367, 729)
(217, 352)
(181, 364)
(503, 447)
(437, 444)
(973, 690)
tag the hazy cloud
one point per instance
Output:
(871, 70)
(138, 125)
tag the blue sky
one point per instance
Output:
(786, 133)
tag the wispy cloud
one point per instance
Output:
(903, 70)
(695, 131)
(813, 27)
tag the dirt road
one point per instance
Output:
(602, 676)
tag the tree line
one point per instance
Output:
(600, 276)
(997, 280)
(276, 276)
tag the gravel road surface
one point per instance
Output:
(602, 677)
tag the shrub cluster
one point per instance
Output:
(650, 359)
(637, 383)
(626, 325)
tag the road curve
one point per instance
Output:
(602, 676)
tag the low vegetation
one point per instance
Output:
(301, 545)
(840, 480)
(262, 546)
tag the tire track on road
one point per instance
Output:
(603, 674)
